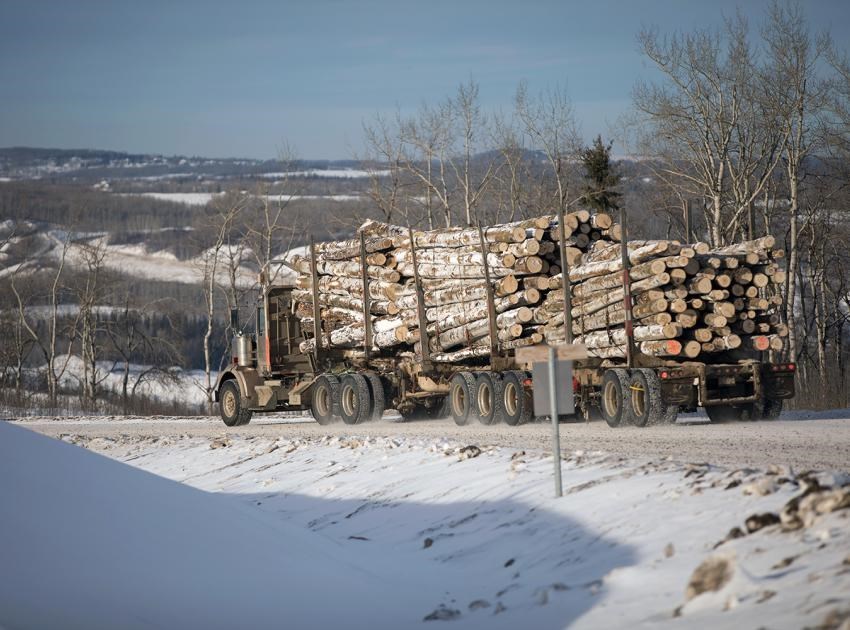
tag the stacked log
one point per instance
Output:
(718, 300)
(688, 300)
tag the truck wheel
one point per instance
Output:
(647, 407)
(324, 404)
(615, 398)
(376, 388)
(515, 404)
(231, 406)
(355, 399)
(462, 397)
(488, 390)
(643, 398)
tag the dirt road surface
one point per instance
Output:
(805, 441)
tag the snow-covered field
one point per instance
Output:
(185, 386)
(203, 198)
(400, 532)
(332, 173)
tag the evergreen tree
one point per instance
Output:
(601, 179)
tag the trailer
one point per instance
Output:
(269, 372)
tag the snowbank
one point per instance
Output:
(477, 535)
(86, 542)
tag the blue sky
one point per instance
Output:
(240, 78)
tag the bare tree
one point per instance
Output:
(470, 122)
(91, 295)
(514, 174)
(385, 159)
(692, 120)
(268, 225)
(801, 95)
(549, 122)
(427, 139)
(56, 362)
(133, 343)
(220, 225)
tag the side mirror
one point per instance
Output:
(234, 318)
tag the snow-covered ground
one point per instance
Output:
(331, 173)
(137, 261)
(397, 532)
(203, 198)
(183, 386)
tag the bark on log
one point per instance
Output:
(378, 289)
(377, 307)
(441, 271)
(352, 269)
(341, 250)
(617, 336)
(746, 247)
(453, 292)
(597, 302)
(446, 256)
(464, 236)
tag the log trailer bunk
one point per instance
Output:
(269, 373)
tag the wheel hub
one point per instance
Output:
(229, 403)
(611, 400)
(349, 401)
(485, 400)
(511, 399)
(322, 401)
(458, 401)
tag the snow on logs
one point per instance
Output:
(688, 300)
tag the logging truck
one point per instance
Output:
(271, 371)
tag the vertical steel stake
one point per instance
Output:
(627, 291)
(553, 412)
(491, 302)
(565, 274)
(317, 312)
(367, 307)
(420, 306)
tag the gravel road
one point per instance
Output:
(821, 442)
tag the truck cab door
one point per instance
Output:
(262, 340)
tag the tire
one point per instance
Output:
(615, 402)
(355, 399)
(324, 403)
(515, 404)
(376, 388)
(644, 396)
(231, 405)
(488, 393)
(462, 398)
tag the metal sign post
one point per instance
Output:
(552, 375)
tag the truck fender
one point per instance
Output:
(246, 378)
